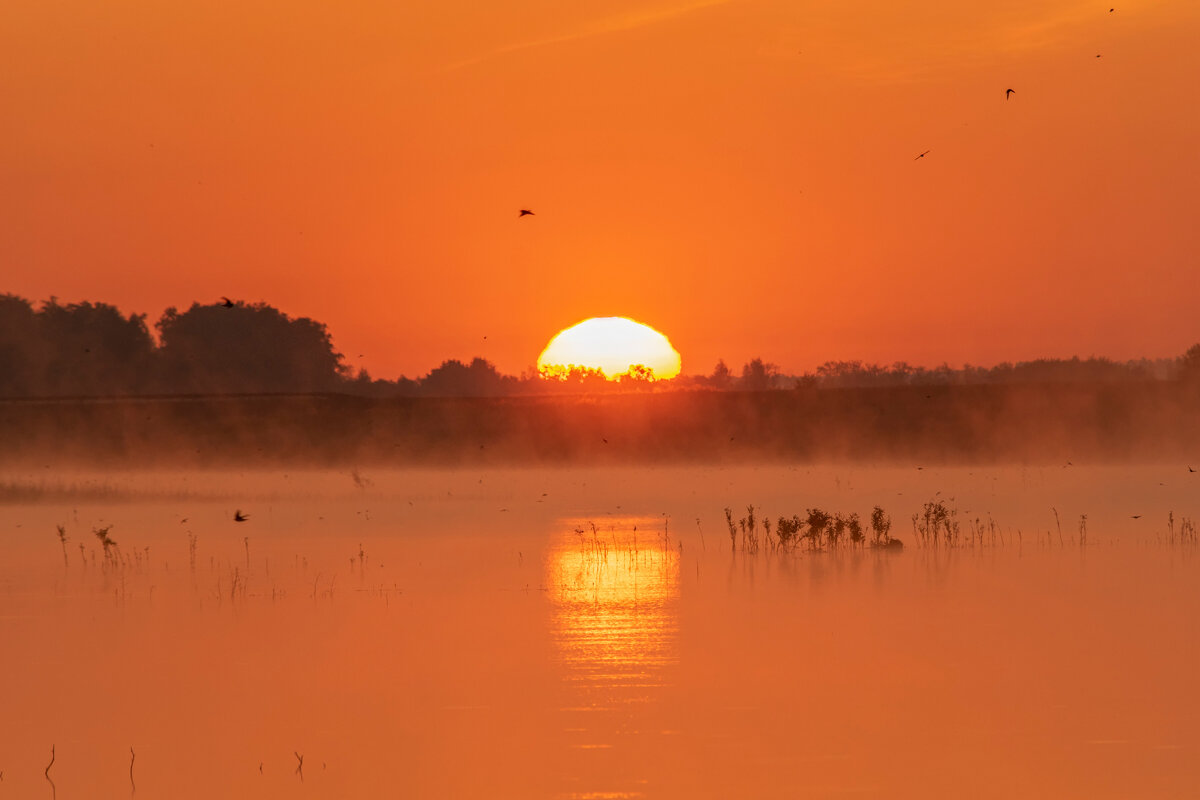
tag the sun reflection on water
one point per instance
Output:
(615, 590)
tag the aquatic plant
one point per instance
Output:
(936, 525)
(787, 531)
(817, 521)
(62, 538)
(881, 527)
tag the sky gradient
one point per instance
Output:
(740, 175)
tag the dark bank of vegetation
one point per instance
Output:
(912, 425)
(94, 350)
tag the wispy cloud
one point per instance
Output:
(602, 27)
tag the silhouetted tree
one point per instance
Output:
(247, 348)
(638, 376)
(456, 379)
(757, 376)
(1189, 365)
(722, 377)
(570, 379)
(94, 349)
(22, 349)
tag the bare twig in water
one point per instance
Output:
(132, 757)
(300, 766)
(53, 788)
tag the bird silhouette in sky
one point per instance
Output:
(1190, 469)
(1136, 516)
(1007, 92)
(238, 516)
(922, 155)
(226, 302)
(525, 212)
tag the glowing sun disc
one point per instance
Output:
(611, 344)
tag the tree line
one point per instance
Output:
(93, 349)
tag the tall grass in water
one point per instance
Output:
(1187, 530)
(936, 525)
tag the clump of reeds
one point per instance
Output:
(818, 521)
(788, 531)
(112, 553)
(936, 525)
(983, 534)
(881, 528)
(1187, 530)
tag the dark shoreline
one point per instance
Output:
(1152, 420)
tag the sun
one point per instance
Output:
(613, 345)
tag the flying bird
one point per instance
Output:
(1190, 469)
(225, 301)
(238, 516)
(922, 155)
(1136, 516)
(1007, 92)
(525, 212)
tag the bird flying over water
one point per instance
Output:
(1190, 469)
(1007, 92)
(525, 212)
(238, 516)
(922, 155)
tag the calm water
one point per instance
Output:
(590, 634)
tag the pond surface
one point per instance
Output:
(593, 633)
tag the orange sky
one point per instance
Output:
(740, 174)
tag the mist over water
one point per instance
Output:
(594, 632)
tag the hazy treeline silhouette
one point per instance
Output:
(93, 349)
(86, 349)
